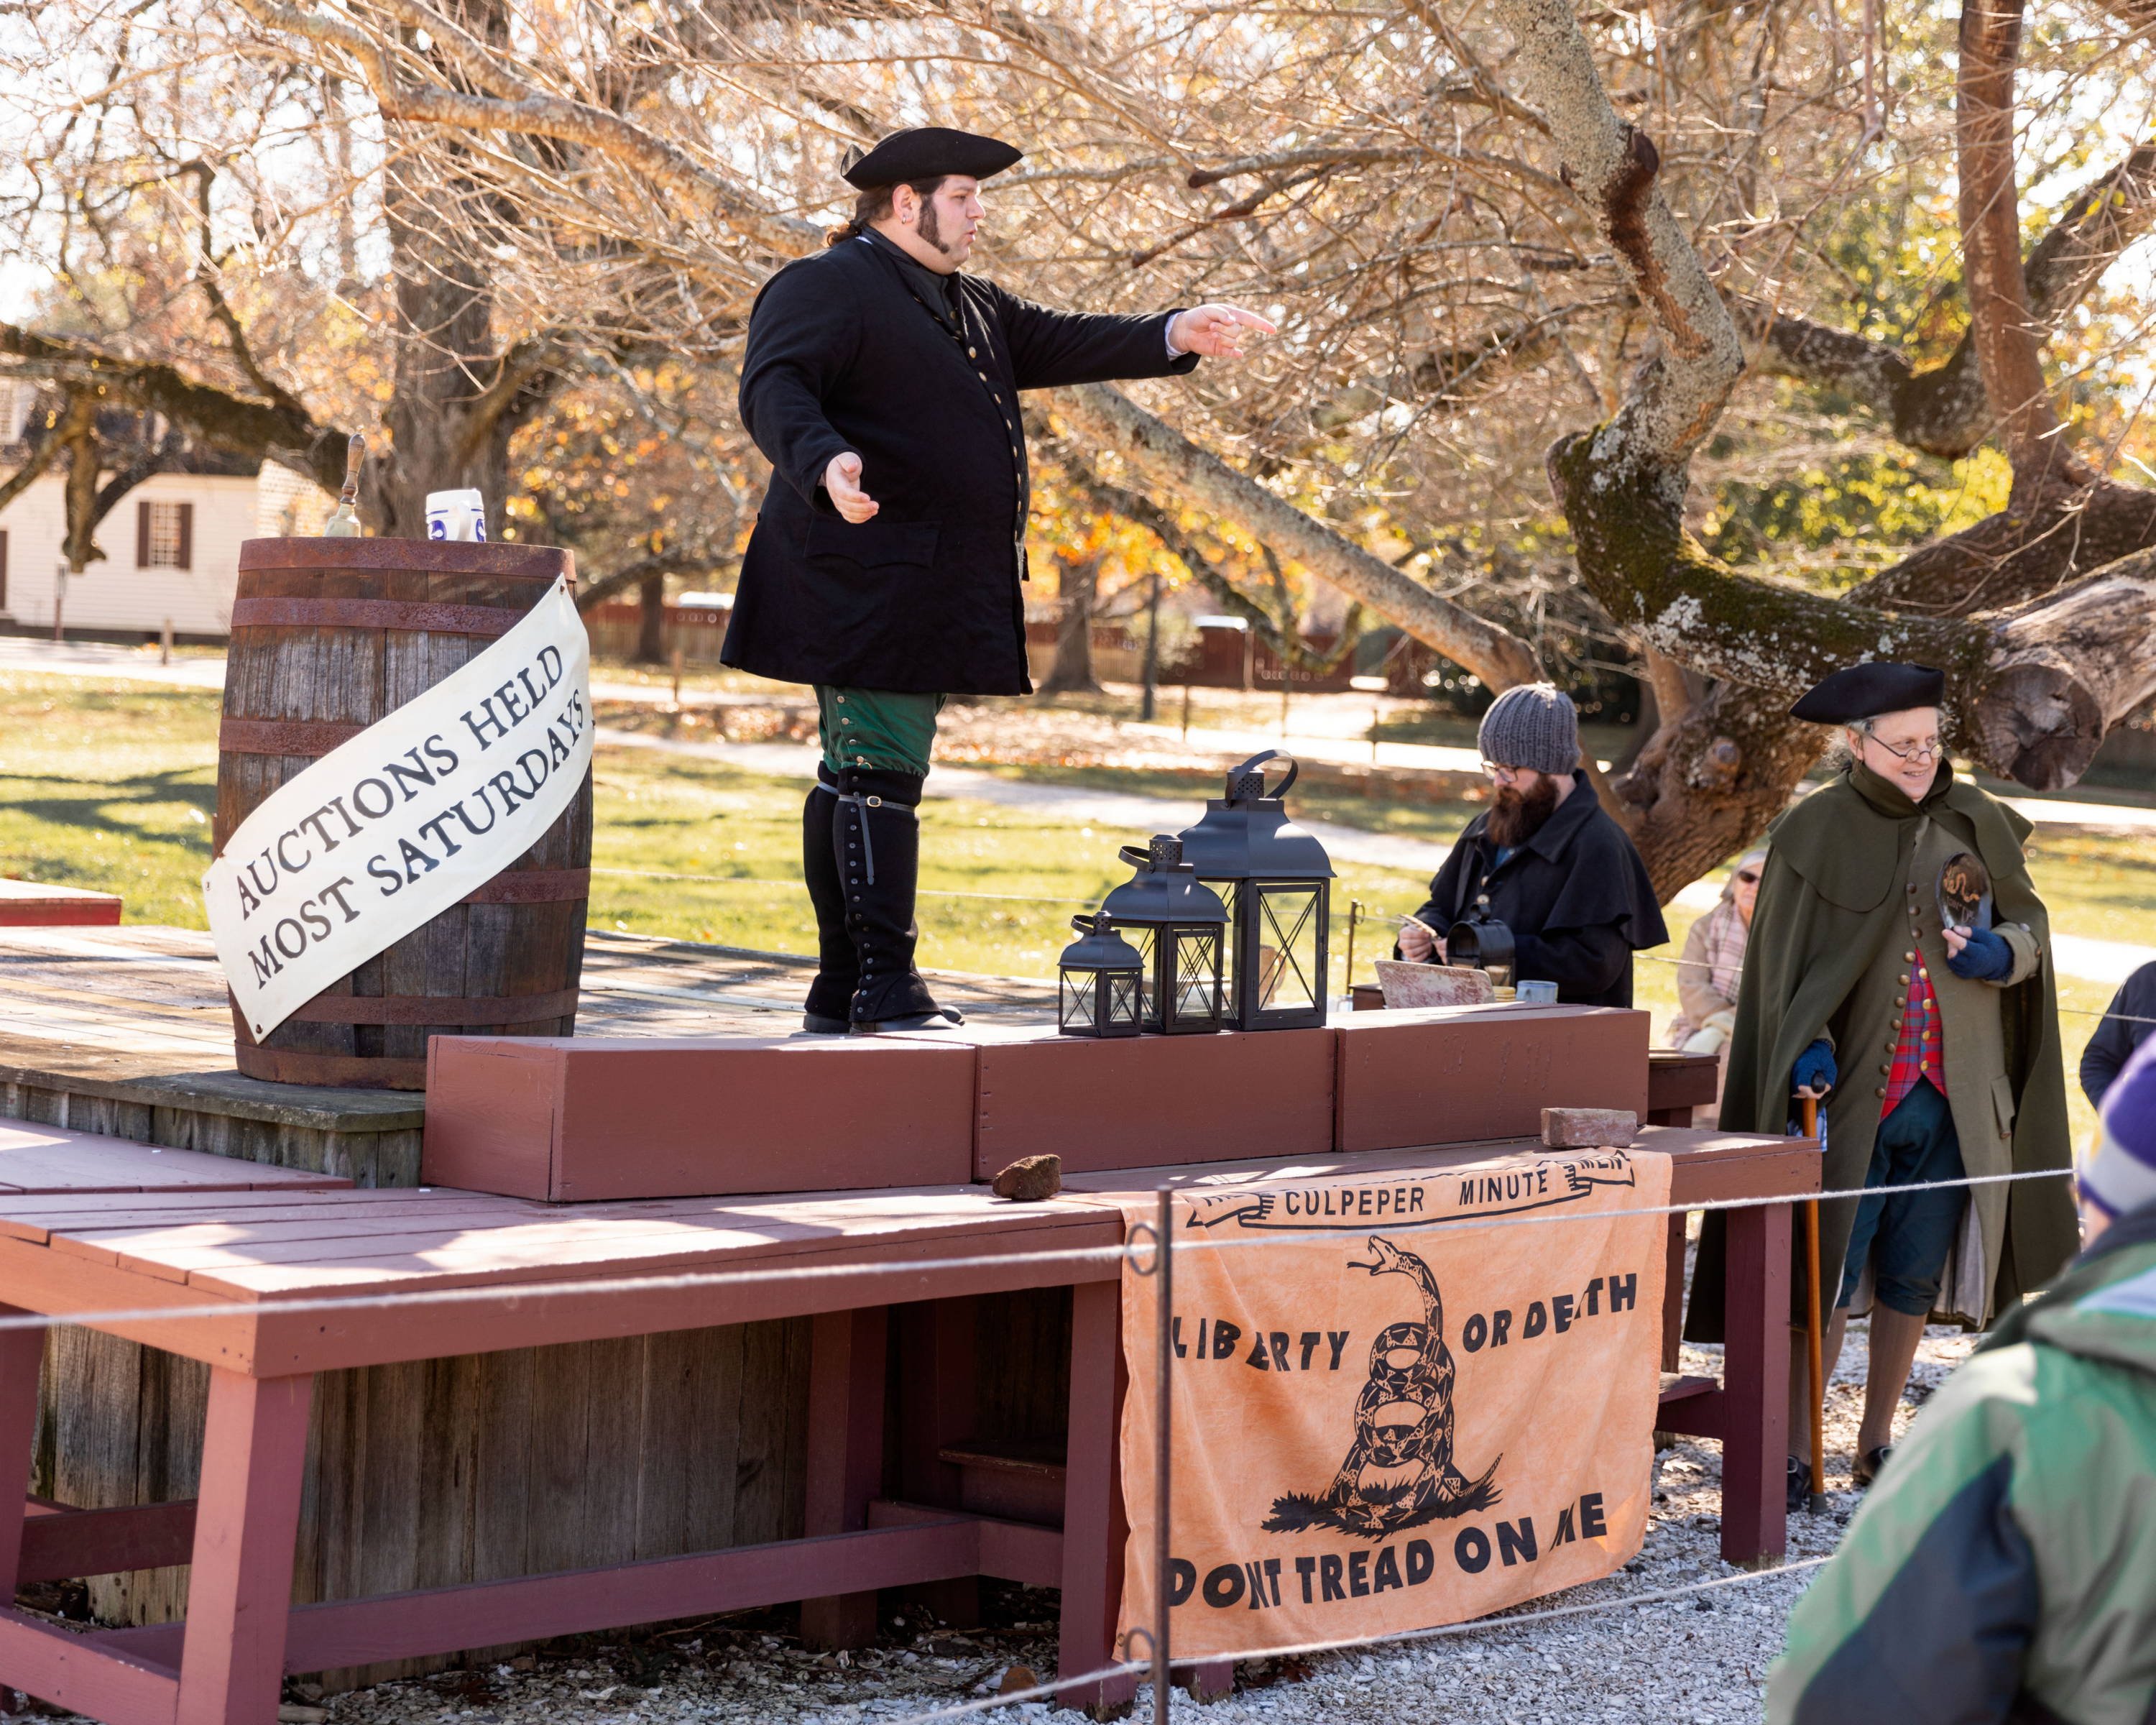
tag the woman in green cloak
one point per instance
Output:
(1882, 977)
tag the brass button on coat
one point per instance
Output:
(1903, 978)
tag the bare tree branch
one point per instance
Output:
(1170, 462)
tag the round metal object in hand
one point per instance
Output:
(1964, 893)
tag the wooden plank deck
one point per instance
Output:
(55, 1159)
(126, 1031)
(69, 1254)
(141, 990)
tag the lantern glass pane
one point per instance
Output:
(1145, 939)
(1197, 974)
(1075, 1002)
(1125, 1000)
(1286, 956)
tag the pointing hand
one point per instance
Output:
(1215, 330)
(842, 478)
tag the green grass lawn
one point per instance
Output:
(111, 786)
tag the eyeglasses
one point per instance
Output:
(1503, 775)
(1748, 877)
(1918, 753)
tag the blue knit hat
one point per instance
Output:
(2121, 1175)
(1532, 725)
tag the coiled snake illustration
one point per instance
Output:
(1399, 1472)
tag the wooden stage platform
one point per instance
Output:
(523, 1463)
(126, 1031)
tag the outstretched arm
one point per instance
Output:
(1050, 349)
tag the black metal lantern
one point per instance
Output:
(1278, 883)
(1101, 978)
(1179, 925)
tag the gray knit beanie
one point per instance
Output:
(1532, 725)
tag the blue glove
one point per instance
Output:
(1986, 958)
(1815, 1068)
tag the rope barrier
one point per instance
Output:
(514, 1293)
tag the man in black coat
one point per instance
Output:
(1545, 861)
(886, 562)
(2126, 1023)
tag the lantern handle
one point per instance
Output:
(1256, 763)
(1084, 923)
(1137, 855)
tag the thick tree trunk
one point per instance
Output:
(78, 430)
(2029, 691)
(1072, 671)
(651, 619)
(440, 438)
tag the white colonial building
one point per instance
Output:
(171, 546)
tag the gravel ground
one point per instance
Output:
(1695, 1660)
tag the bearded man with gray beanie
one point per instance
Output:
(1545, 860)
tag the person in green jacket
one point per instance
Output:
(2005, 1567)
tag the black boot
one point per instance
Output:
(831, 995)
(877, 846)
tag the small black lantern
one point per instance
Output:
(1278, 883)
(1101, 979)
(1179, 925)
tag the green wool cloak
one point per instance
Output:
(1831, 897)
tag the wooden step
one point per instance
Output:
(1022, 1480)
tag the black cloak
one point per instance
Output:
(1575, 896)
(850, 350)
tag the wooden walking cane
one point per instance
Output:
(1813, 1342)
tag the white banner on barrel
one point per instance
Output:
(388, 831)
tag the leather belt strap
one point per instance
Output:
(374, 613)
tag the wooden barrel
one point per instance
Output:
(328, 636)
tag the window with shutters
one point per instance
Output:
(167, 532)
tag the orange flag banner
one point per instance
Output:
(1384, 1420)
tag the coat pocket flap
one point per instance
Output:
(874, 542)
(2002, 1103)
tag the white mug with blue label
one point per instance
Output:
(457, 514)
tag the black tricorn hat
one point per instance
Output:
(1864, 691)
(928, 153)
